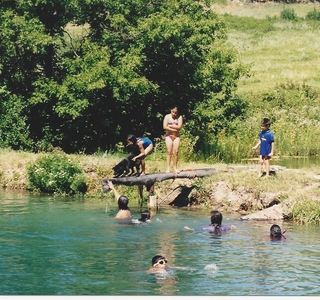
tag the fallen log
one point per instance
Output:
(150, 179)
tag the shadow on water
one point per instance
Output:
(49, 246)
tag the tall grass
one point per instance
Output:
(306, 211)
(294, 111)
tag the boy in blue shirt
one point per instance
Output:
(266, 143)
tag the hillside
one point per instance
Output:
(277, 50)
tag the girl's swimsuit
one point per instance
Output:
(146, 142)
(172, 135)
(211, 228)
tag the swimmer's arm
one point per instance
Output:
(117, 195)
(188, 228)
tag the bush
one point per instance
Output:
(56, 173)
(288, 14)
(313, 15)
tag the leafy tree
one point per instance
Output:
(22, 47)
(136, 60)
(139, 59)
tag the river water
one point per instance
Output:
(54, 246)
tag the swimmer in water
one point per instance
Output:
(216, 226)
(159, 264)
(146, 216)
(276, 233)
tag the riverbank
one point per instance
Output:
(235, 188)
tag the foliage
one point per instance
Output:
(137, 58)
(214, 118)
(294, 111)
(306, 211)
(249, 24)
(86, 92)
(56, 173)
(289, 14)
(313, 15)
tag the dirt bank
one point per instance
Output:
(235, 188)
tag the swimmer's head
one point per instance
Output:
(216, 217)
(123, 202)
(159, 261)
(275, 232)
(145, 215)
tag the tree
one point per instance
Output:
(136, 60)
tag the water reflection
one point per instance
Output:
(290, 162)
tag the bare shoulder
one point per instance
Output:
(123, 214)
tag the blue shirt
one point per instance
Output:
(266, 138)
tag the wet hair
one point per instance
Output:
(156, 258)
(266, 122)
(145, 215)
(275, 231)
(216, 220)
(123, 202)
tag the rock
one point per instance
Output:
(274, 212)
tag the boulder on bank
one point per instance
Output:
(274, 212)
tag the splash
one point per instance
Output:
(211, 268)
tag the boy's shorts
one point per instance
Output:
(265, 157)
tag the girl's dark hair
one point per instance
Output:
(134, 148)
(216, 220)
(216, 217)
(175, 106)
(123, 202)
(132, 138)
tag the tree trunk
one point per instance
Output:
(150, 179)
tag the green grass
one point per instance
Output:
(262, 10)
(277, 50)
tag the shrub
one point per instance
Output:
(288, 14)
(56, 173)
(313, 15)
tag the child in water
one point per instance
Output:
(276, 233)
(216, 226)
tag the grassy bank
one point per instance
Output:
(234, 188)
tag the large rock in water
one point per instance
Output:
(274, 212)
